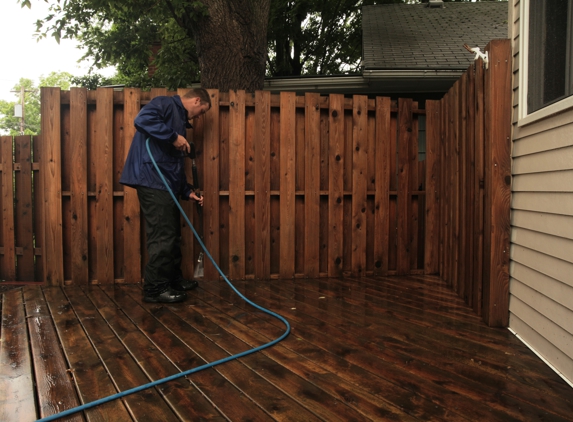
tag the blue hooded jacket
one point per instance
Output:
(161, 120)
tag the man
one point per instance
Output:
(164, 121)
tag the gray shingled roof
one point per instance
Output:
(413, 36)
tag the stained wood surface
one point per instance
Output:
(498, 183)
(17, 400)
(287, 184)
(312, 184)
(131, 212)
(237, 184)
(51, 185)
(262, 160)
(210, 182)
(336, 185)
(78, 190)
(361, 349)
(8, 271)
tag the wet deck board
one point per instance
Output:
(396, 348)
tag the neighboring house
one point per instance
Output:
(412, 50)
(541, 267)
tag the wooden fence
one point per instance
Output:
(303, 186)
(473, 123)
(295, 186)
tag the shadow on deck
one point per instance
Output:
(397, 348)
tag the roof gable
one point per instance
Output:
(414, 36)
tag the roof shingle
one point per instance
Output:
(413, 36)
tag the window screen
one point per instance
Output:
(550, 52)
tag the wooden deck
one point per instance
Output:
(360, 349)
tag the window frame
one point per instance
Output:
(524, 117)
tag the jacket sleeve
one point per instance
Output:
(187, 191)
(152, 119)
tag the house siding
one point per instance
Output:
(541, 266)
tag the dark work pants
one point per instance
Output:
(163, 230)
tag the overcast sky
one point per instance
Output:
(24, 57)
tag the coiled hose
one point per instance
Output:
(190, 371)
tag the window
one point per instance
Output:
(550, 53)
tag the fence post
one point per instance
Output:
(498, 109)
(51, 186)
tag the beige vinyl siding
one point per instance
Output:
(541, 267)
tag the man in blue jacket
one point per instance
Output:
(164, 121)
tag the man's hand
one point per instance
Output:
(194, 197)
(181, 144)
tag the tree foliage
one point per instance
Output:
(136, 35)
(314, 37)
(173, 43)
(11, 124)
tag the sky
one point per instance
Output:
(25, 57)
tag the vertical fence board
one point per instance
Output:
(262, 184)
(359, 168)
(448, 188)
(443, 195)
(8, 239)
(156, 92)
(479, 132)
(189, 245)
(223, 166)
(249, 187)
(470, 186)
(4, 224)
(312, 185)
(432, 208)
(274, 187)
(50, 142)
(211, 185)
(498, 182)
(38, 211)
(335, 185)
(131, 212)
(66, 149)
(455, 181)
(382, 185)
(237, 185)
(104, 186)
(78, 186)
(287, 184)
(404, 134)
(413, 195)
(463, 192)
(24, 227)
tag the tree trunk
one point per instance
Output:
(232, 44)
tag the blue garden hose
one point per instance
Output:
(190, 371)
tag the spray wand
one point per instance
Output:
(199, 269)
